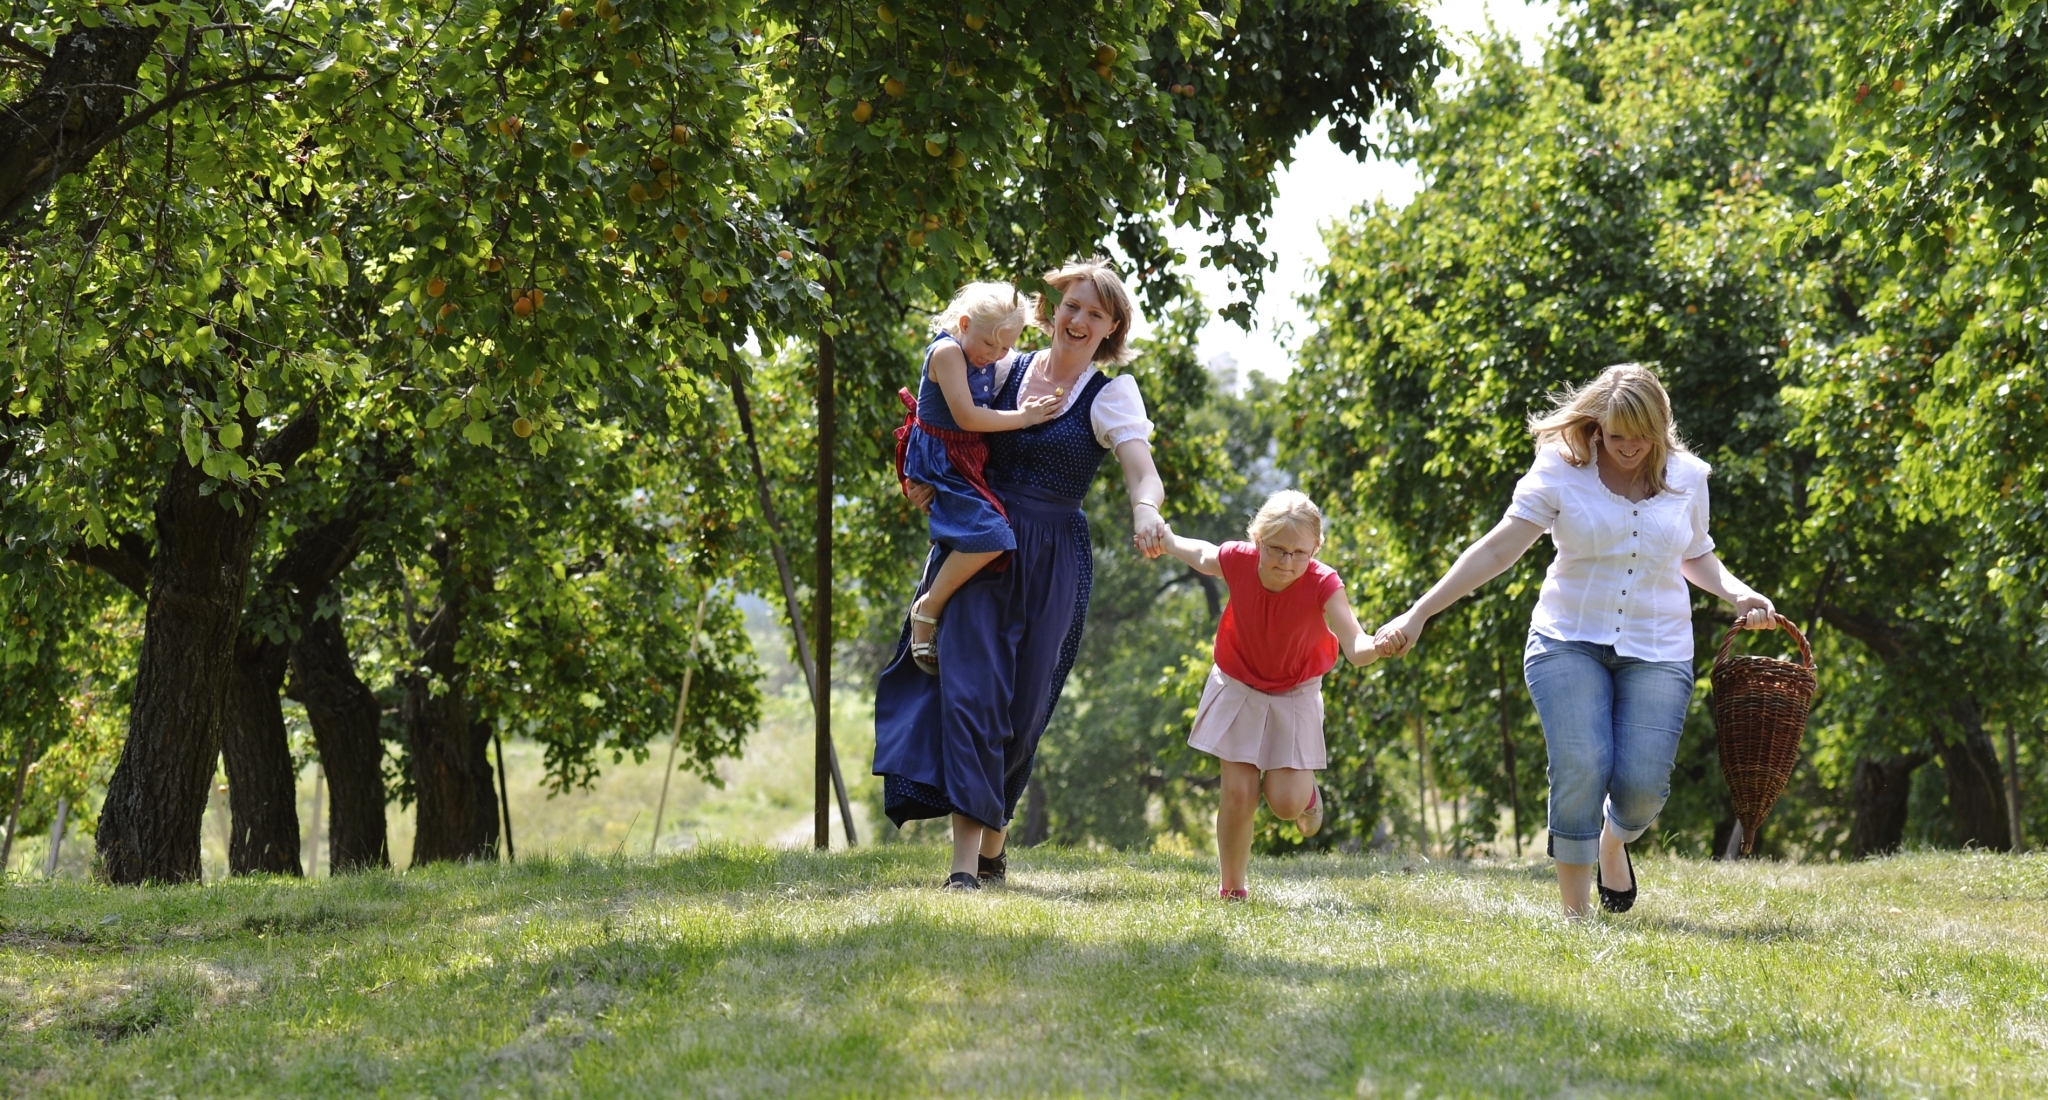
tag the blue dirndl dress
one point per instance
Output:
(964, 741)
(933, 449)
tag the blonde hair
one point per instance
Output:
(1626, 397)
(1286, 508)
(987, 306)
(1116, 347)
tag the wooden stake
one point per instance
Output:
(14, 815)
(1507, 748)
(799, 639)
(1421, 779)
(821, 594)
(57, 837)
(2012, 788)
(675, 736)
(1734, 850)
(504, 796)
(313, 841)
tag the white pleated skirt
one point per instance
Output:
(1240, 723)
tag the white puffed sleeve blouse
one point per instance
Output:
(1119, 412)
(1616, 578)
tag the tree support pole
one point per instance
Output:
(799, 637)
(14, 813)
(57, 837)
(504, 796)
(821, 699)
(675, 736)
(1507, 748)
(313, 834)
(2012, 787)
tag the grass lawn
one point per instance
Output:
(730, 971)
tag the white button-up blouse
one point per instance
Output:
(1119, 412)
(1616, 579)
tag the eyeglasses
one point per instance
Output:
(1289, 556)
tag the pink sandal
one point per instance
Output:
(1234, 895)
(1311, 820)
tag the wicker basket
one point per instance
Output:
(1760, 706)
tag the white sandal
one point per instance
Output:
(925, 654)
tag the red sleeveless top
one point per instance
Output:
(1273, 641)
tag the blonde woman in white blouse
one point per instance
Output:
(1609, 656)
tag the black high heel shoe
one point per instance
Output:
(995, 868)
(1617, 901)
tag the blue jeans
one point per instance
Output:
(1611, 724)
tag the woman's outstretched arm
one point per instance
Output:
(1481, 562)
(1147, 492)
(1708, 574)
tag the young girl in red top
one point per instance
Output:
(1262, 711)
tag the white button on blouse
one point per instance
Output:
(1616, 578)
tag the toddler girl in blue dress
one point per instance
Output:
(940, 444)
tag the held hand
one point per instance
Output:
(1400, 634)
(1755, 612)
(920, 494)
(1151, 531)
(1038, 410)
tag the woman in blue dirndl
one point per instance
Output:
(962, 743)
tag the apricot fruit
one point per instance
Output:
(863, 111)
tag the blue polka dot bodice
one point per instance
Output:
(931, 400)
(1060, 456)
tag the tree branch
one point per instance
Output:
(127, 561)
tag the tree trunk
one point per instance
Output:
(1976, 785)
(263, 796)
(1881, 790)
(452, 816)
(263, 790)
(483, 780)
(346, 721)
(77, 102)
(149, 826)
(458, 810)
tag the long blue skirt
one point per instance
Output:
(964, 741)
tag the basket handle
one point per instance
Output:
(1782, 623)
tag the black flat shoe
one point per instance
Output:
(994, 868)
(1618, 901)
(962, 882)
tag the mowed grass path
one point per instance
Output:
(748, 972)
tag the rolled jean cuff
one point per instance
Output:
(1571, 849)
(1614, 825)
